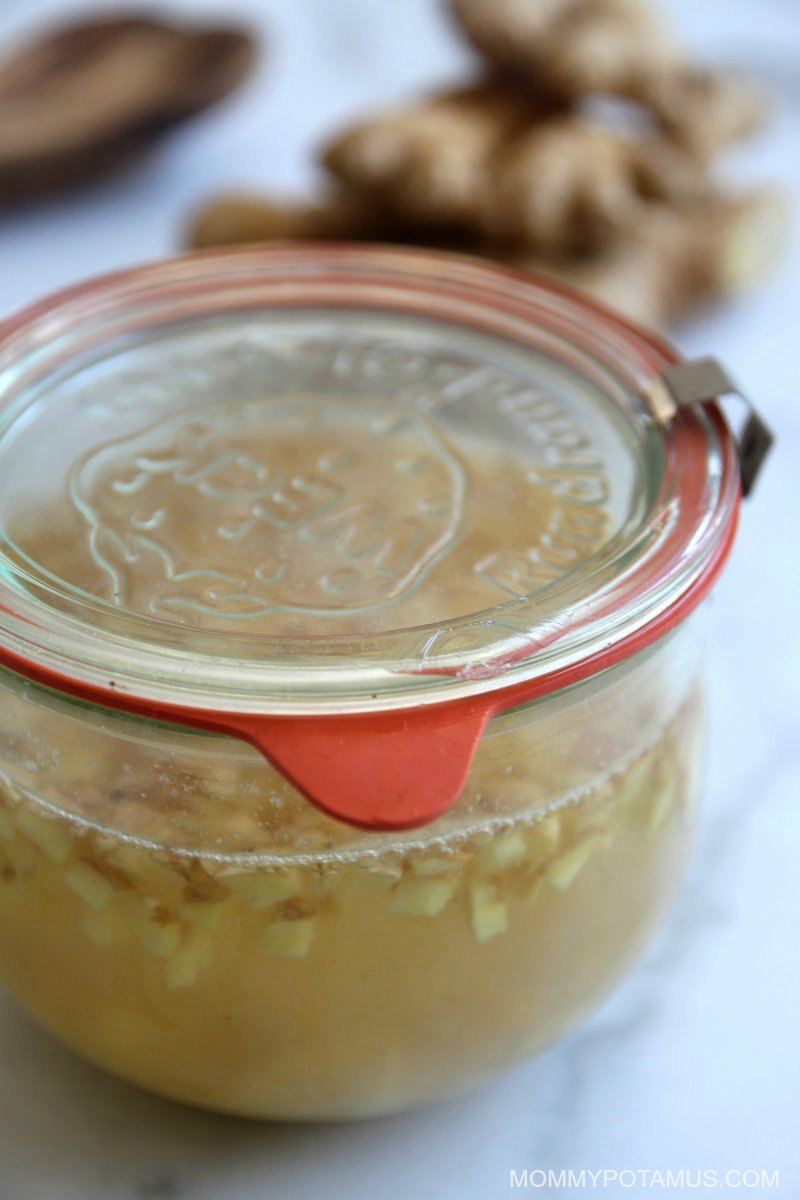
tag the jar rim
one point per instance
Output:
(645, 583)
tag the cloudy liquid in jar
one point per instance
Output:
(299, 528)
(180, 915)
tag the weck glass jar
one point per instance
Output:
(351, 718)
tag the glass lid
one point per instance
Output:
(313, 479)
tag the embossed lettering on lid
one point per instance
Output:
(355, 483)
(313, 505)
(280, 493)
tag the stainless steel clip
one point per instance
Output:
(698, 382)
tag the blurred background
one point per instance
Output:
(320, 66)
(695, 1063)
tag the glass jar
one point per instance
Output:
(351, 718)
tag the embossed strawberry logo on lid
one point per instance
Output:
(305, 505)
(349, 503)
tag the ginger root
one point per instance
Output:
(583, 154)
(679, 259)
(431, 162)
(705, 111)
(571, 47)
(480, 162)
(676, 259)
(570, 184)
(237, 218)
(575, 48)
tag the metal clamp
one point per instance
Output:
(699, 382)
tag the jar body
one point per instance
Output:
(171, 909)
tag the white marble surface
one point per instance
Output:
(695, 1063)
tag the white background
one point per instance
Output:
(695, 1063)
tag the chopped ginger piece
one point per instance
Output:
(261, 889)
(90, 885)
(423, 897)
(289, 939)
(488, 911)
